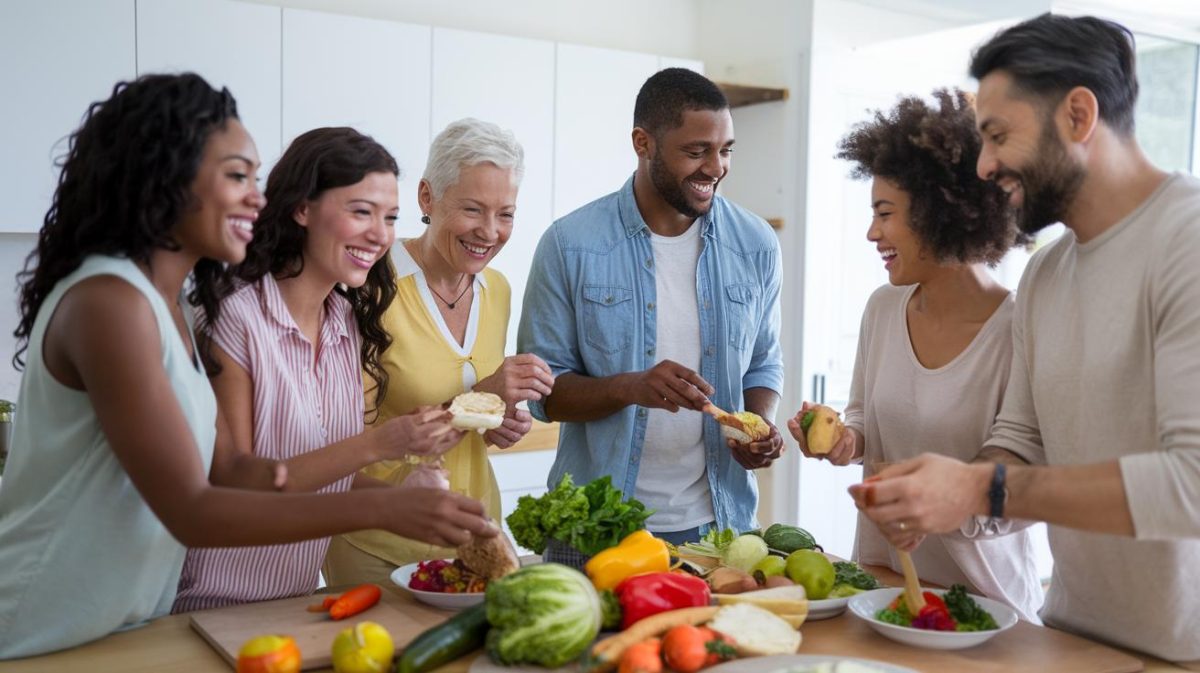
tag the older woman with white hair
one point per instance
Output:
(448, 324)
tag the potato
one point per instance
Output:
(824, 431)
(731, 581)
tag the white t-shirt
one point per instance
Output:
(904, 409)
(672, 479)
(1106, 367)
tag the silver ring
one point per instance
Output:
(902, 526)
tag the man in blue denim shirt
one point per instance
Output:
(630, 382)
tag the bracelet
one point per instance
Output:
(998, 492)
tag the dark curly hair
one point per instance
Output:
(665, 96)
(316, 161)
(931, 153)
(125, 183)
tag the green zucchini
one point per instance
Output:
(788, 538)
(461, 634)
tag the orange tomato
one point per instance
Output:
(269, 654)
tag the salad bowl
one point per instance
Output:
(867, 604)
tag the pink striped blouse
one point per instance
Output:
(298, 407)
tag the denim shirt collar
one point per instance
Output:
(634, 223)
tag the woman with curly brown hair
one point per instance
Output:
(935, 345)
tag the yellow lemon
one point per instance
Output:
(366, 648)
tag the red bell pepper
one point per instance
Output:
(644, 595)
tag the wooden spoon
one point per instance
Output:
(912, 585)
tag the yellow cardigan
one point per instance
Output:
(425, 367)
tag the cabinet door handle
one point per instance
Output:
(818, 389)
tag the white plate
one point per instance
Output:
(826, 608)
(865, 605)
(401, 576)
(784, 663)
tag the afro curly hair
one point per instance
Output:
(930, 153)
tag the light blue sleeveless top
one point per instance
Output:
(81, 554)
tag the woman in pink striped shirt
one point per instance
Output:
(289, 344)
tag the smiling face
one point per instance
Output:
(350, 229)
(220, 220)
(690, 160)
(473, 218)
(1024, 154)
(903, 255)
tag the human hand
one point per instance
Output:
(905, 507)
(843, 451)
(424, 432)
(759, 454)
(520, 377)
(671, 386)
(517, 423)
(438, 517)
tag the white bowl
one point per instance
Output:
(866, 604)
(786, 663)
(401, 576)
(826, 608)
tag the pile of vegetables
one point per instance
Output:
(954, 611)
(545, 615)
(590, 518)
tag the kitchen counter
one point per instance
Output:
(170, 645)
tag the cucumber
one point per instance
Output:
(788, 538)
(461, 634)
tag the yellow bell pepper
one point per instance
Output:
(640, 552)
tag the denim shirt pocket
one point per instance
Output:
(741, 314)
(608, 317)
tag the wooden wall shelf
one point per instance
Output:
(740, 95)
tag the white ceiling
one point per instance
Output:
(1175, 14)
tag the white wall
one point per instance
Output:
(666, 27)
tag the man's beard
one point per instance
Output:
(671, 191)
(1050, 184)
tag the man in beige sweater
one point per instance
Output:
(1099, 431)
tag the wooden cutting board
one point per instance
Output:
(227, 629)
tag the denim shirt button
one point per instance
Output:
(710, 351)
(649, 351)
(649, 263)
(642, 413)
(650, 306)
(608, 299)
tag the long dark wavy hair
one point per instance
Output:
(319, 160)
(125, 183)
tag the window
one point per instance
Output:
(1166, 107)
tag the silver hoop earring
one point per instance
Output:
(424, 219)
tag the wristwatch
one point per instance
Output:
(998, 492)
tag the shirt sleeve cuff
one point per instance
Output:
(537, 409)
(1153, 488)
(763, 379)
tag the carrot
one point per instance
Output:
(683, 648)
(718, 645)
(355, 601)
(606, 653)
(323, 606)
(642, 657)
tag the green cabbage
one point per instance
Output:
(744, 552)
(545, 614)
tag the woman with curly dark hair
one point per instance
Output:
(935, 345)
(289, 349)
(108, 477)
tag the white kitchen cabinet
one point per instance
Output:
(518, 474)
(369, 74)
(231, 44)
(507, 81)
(58, 57)
(593, 153)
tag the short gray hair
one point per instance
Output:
(469, 142)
